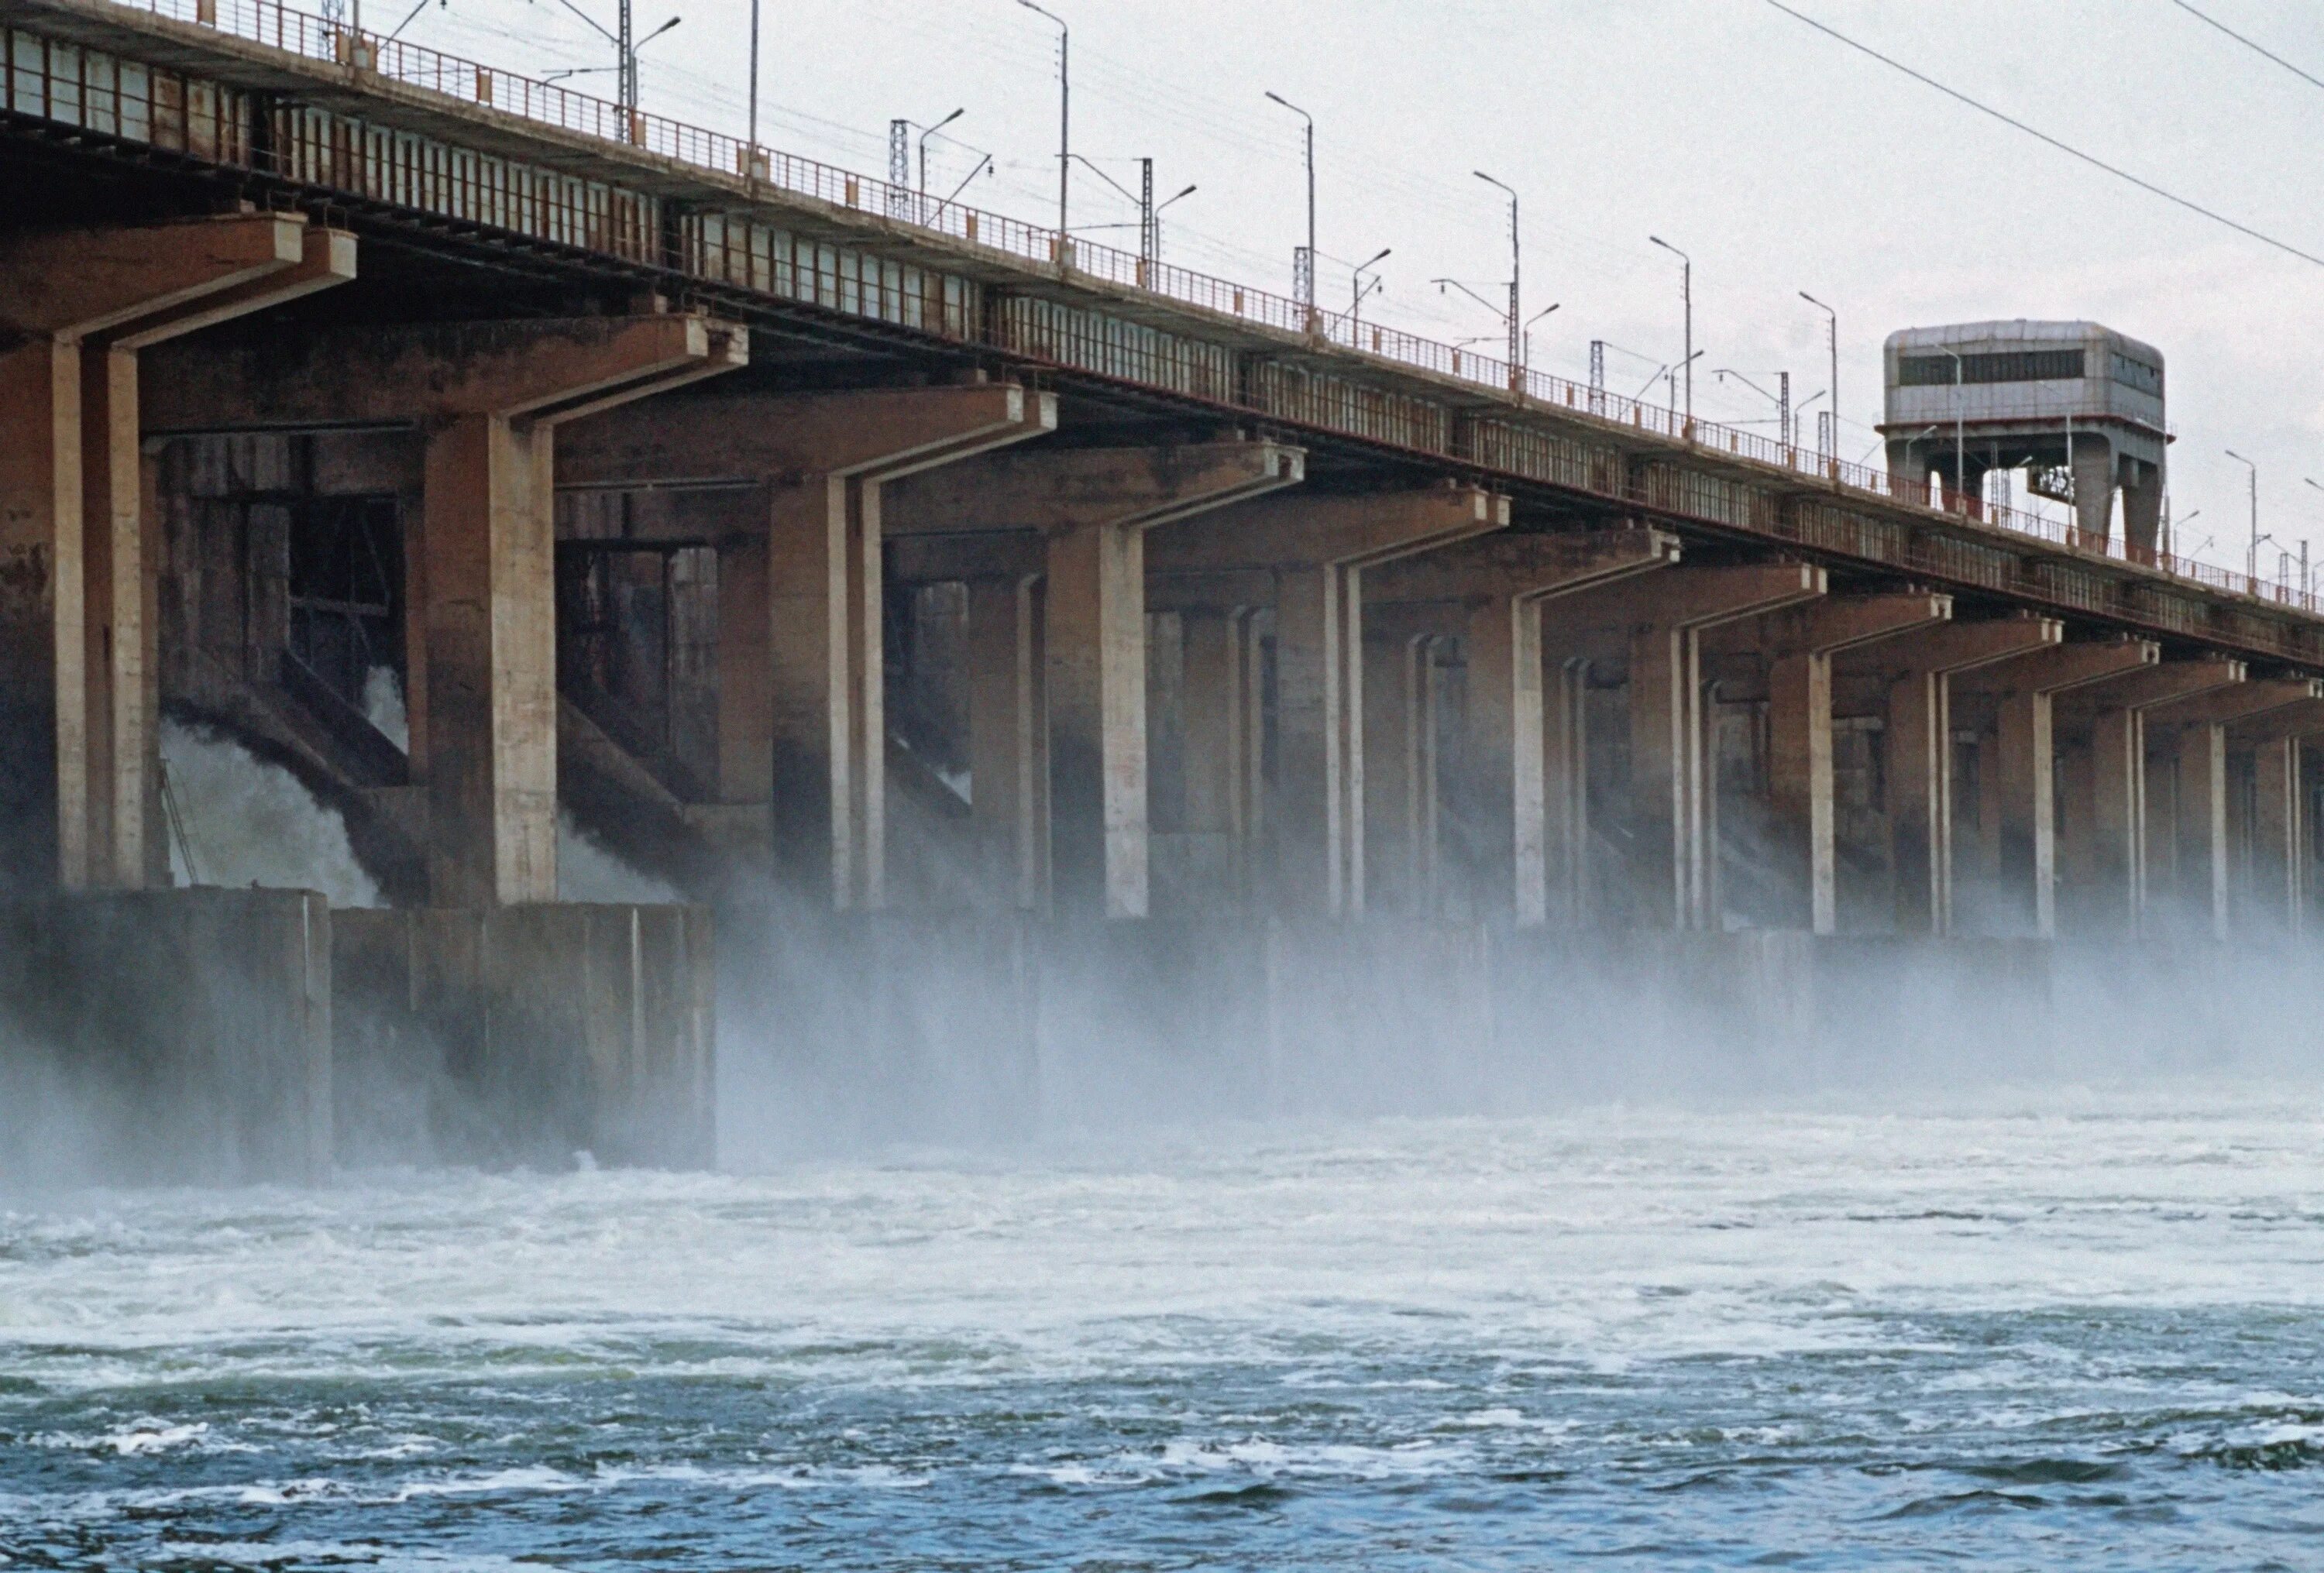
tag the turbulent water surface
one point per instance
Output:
(2083, 1330)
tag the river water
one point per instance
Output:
(2075, 1327)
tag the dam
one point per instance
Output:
(983, 631)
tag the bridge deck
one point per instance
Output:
(478, 159)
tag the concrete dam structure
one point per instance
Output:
(992, 635)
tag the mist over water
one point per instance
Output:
(1656, 1263)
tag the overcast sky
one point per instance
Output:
(1780, 159)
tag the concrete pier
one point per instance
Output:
(78, 645)
(1089, 511)
(170, 1036)
(526, 1035)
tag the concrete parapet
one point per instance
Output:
(178, 1036)
(526, 1035)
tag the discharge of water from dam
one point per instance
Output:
(2006, 1309)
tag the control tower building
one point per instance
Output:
(2077, 406)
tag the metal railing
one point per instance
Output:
(546, 103)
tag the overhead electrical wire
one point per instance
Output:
(2043, 136)
(2257, 49)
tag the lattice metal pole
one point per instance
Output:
(899, 168)
(1597, 376)
(628, 77)
(1148, 236)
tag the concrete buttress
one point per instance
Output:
(1658, 623)
(487, 398)
(1089, 510)
(2197, 743)
(2104, 835)
(1502, 583)
(802, 726)
(2276, 901)
(2024, 688)
(1798, 645)
(1319, 549)
(80, 668)
(1917, 670)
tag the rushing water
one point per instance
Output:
(2079, 1329)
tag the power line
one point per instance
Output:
(2256, 48)
(2044, 137)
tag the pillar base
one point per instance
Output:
(166, 1037)
(526, 1035)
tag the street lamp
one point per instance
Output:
(1800, 413)
(1687, 297)
(2253, 566)
(1065, 117)
(1832, 339)
(930, 131)
(1920, 478)
(1149, 213)
(1669, 373)
(1961, 475)
(1153, 224)
(1356, 305)
(2171, 529)
(1517, 334)
(625, 51)
(1303, 278)
(2305, 587)
(1526, 333)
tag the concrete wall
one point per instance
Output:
(526, 1035)
(180, 1037)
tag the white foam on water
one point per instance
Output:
(1594, 1243)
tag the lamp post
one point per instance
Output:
(626, 55)
(1960, 461)
(1302, 278)
(1832, 329)
(751, 155)
(1149, 214)
(1517, 258)
(922, 149)
(2252, 567)
(1360, 289)
(2170, 530)
(2306, 588)
(1686, 298)
(1065, 117)
(1153, 224)
(1526, 336)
